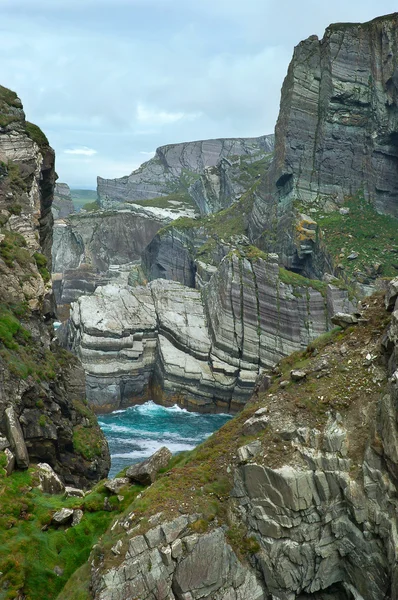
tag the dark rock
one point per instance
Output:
(145, 472)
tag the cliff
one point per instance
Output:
(42, 387)
(336, 137)
(62, 205)
(292, 499)
(176, 167)
(172, 343)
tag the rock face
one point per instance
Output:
(203, 349)
(336, 133)
(319, 511)
(42, 388)
(175, 167)
(62, 204)
(91, 249)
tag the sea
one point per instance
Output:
(137, 432)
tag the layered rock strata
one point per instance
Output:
(336, 133)
(203, 349)
(62, 204)
(175, 167)
(313, 494)
(42, 388)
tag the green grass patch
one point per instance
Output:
(36, 134)
(298, 281)
(31, 549)
(82, 197)
(168, 202)
(372, 235)
(41, 262)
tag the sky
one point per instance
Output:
(109, 81)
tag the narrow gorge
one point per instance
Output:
(250, 276)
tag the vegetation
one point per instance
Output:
(13, 249)
(20, 351)
(171, 201)
(37, 558)
(36, 134)
(374, 237)
(82, 197)
(91, 206)
(41, 262)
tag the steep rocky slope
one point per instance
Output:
(336, 136)
(295, 498)
(42, 388)
(176, 166)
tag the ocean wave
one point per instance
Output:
(149, 449)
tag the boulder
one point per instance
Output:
(63, 516)
(145, 472)
(15, 435)
(72, 492)
(391, 294)
(296, 375)
(115, 485)
(77, 517)
(10, 462)
(50, 483)
(344, 319)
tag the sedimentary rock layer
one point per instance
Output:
(202, 349)
(42, 388)
(336, 133)
(175, 167)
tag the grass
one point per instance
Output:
(31, 549)
(41, 262)
(82, 197)
(298, 281)
(372, 235)
(37, 135)
(168, 202)
(20, 351)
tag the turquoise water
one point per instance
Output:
(137, 432)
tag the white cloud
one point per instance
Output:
(153, 116)
(81, 151)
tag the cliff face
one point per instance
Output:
(42, 388)
(176, 166)
(336, 133)
(293, 499)
(171, 343)
(62, 204)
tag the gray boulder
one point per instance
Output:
(50, 483)
(145, 472)
(63, 516)
(115, 485)
(15, 435)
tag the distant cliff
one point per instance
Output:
(62, 204)
(176, 167)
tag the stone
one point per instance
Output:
(72, 492)
(344, 320)
(10, 462)
(4, 443)
(255, 424)
(115, 485)
(15, 435)
(391, 294)
(249, 451)
(58, 571)
(298, 375)
(145, 472)
(50, 483)
(352, 256)
(77, 517)
(176, 549)
(62, 516)
(116, 549)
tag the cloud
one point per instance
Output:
(81, 151)
(122, 75)
(153, 116)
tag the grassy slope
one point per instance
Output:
(30, 549)
(372, 235)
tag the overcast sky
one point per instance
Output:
(110, 80)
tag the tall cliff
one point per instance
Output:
(336, 136)
(176, 166)
(42, 387)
